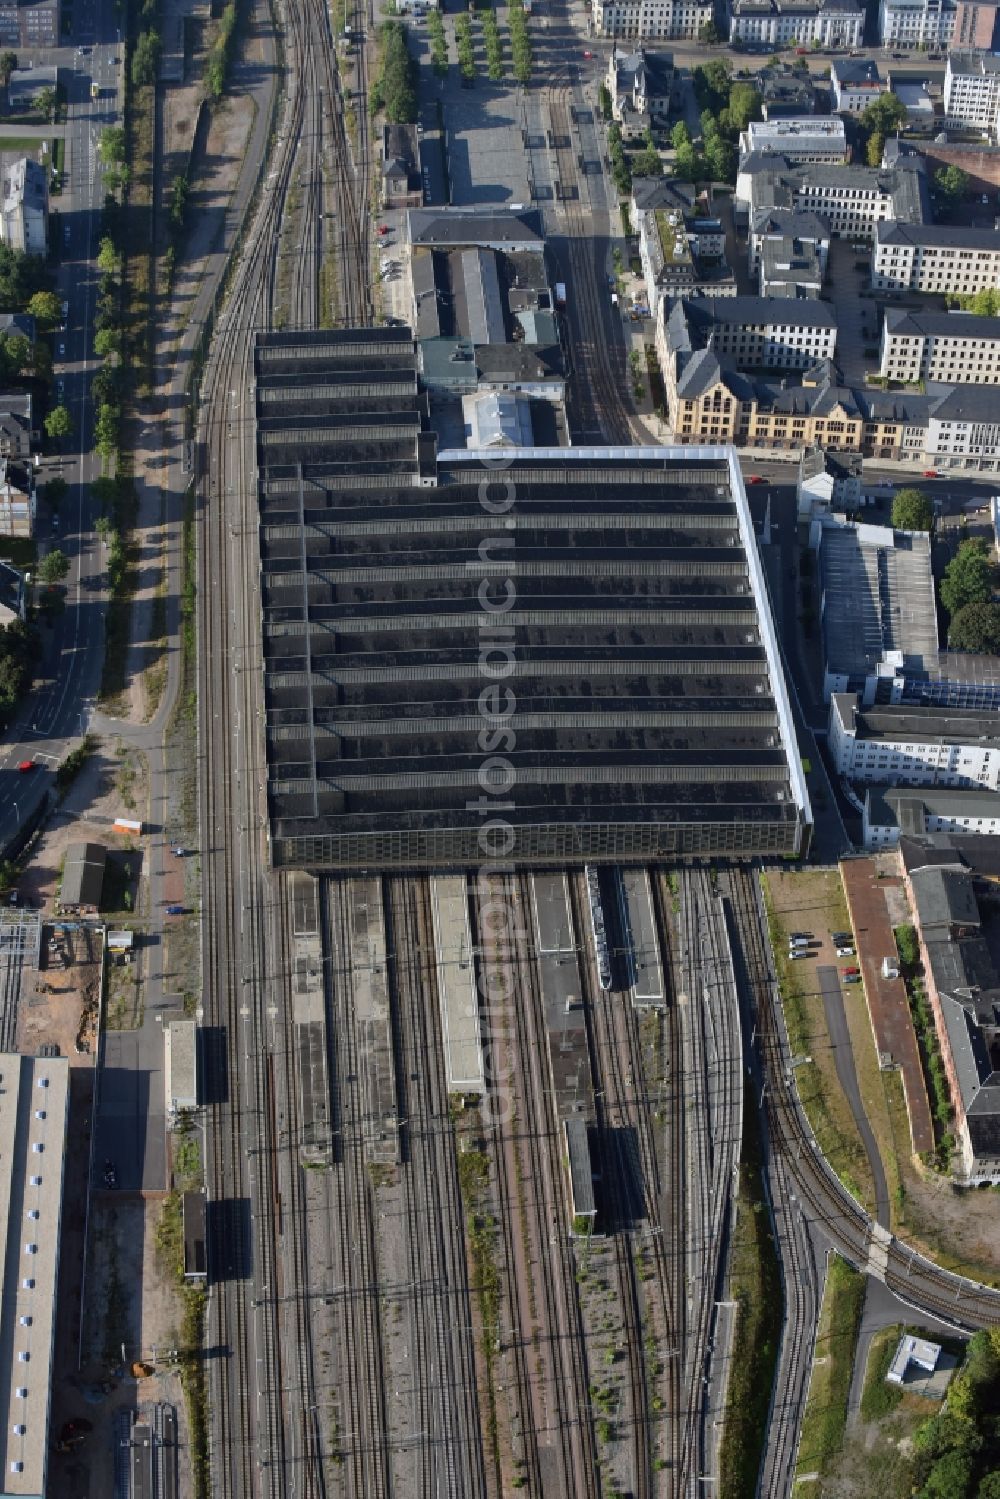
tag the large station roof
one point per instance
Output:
(571, 642)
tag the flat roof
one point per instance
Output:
(34, 1098)
(457, 984)
(581, 1171)
(647, 705)
(928, 724)
(878, 597)
(180, 1059)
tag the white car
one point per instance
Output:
(845, 952)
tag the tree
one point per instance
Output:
(8, 64)
(989, 1487)
(680, 136)
(985, 303)
(111, 147)
(688, 165)
(45, 307)
(18, 357)
(53, 567)
(949, 1478)
(720, 158)
(968, 578)
(874, 148)
(107, 341)
(912, 510)
(145, 58)
(59, 423)
(708, 34)
(108, 258)
(45, 102)
(952, 184)
(604, 100)
(56, 491)
(21, 276)
(885, 114)
(976, 628)
(745, 104)
(711, 84)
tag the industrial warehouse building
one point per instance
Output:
(34, 1098)
(544, 654)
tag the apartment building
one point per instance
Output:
(24, 216)
(786, 92)
(34, 24)
(852, 200)
(651, 20)
(972, 90)
(938, 258)
(963, 429)
(641, 85)
(854, 84)
(710, 402)
(977, 25)
(928, 24)
(776, 23)
(759, 332)
(798, 140)
(952, 348)
(914, 745)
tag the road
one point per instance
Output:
(58, 708)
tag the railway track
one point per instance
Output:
(569, 1464)
(601, 373)
(261, 1442)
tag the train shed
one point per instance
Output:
(581, 1174)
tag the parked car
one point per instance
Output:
(852, 978)
(798, 952)
(842, 936)
(25, 765)
(801, 936)
(175, 910)
(845, 952)
(756, 479)
(848, 972)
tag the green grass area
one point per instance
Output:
(879, 1398)
(826, 1407)
(29, 144)
(755, 1286)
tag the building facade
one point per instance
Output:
(916, 23)
(972, 90)
(776, 23)
(890, 811)
(914, 746)
(935, 258)
(952, 348)
(851, 200)
(976, 25)
(24, 218)
(30, 25)
(808, 140)
(651, 20)
(854, 84)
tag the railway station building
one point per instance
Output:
(542, 654)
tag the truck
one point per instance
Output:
(560, 294)
(128, 826)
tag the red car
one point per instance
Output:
(756, 479)
(25, 765)
(383, 228)
(930, 473)
(588, 54)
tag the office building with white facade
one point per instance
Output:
(762, 332)
(890, 811)
(24, 217)
(854, 84)
(798, 140)
(953, 348)
(777, 23)
(928, 24)
(852, 200)
(913, 745)
(34, 1100)
(935, 258)
(651, 20)
(972, 91)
